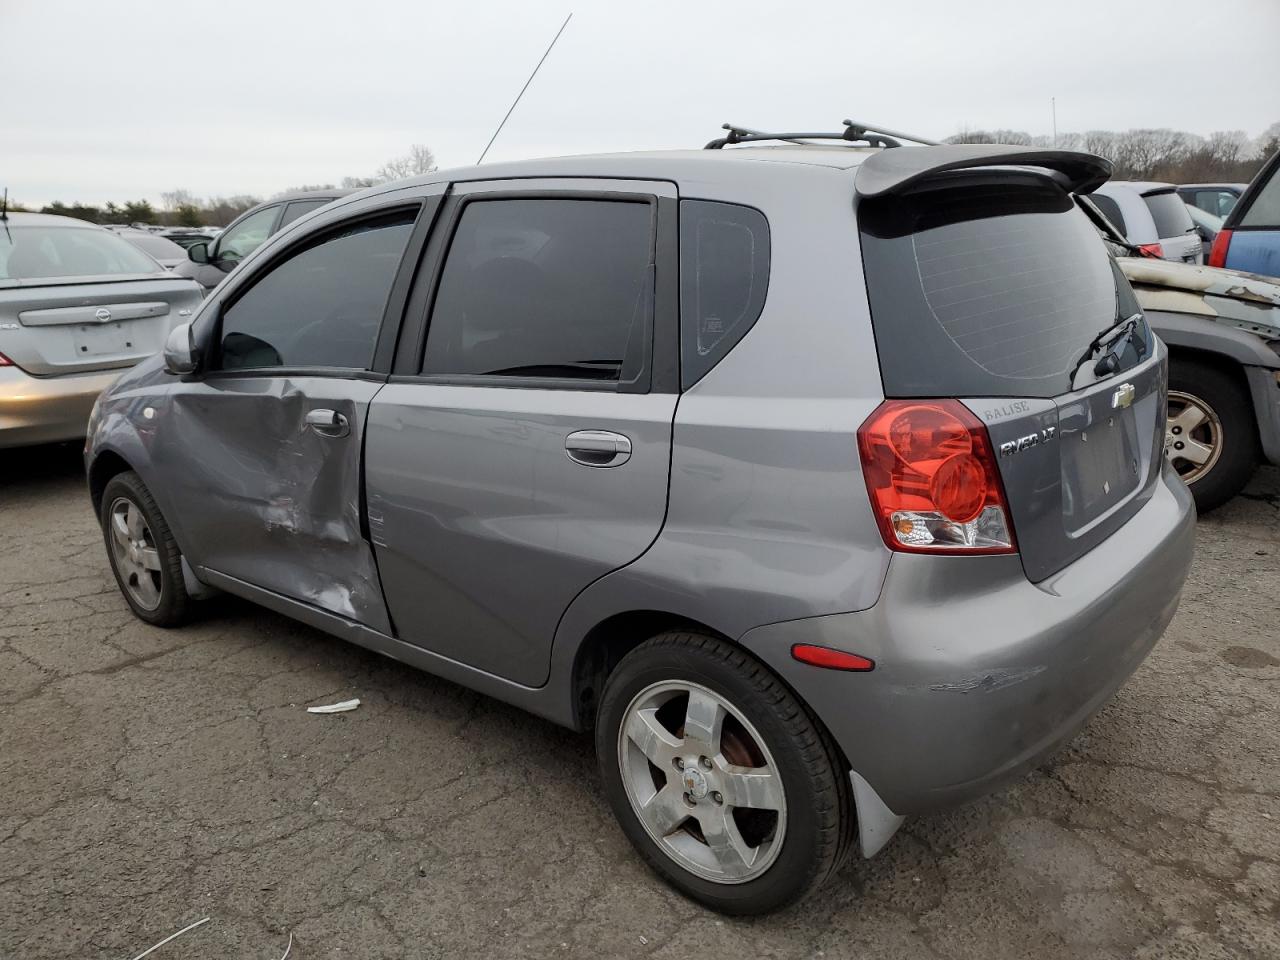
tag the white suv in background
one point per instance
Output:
(1151, 216)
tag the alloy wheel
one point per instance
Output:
(1192, 437)
(134, 553)
(702, 781)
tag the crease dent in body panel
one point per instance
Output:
(313, 493)
(989, 681)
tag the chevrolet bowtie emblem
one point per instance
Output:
(1123, 396)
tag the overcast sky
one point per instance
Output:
(125, 99)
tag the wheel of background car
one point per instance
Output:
(719, 777)
(144, 558)
(1210, 434)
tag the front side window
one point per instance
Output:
(724, 273)
(553, 288)
(323, 306)
(1217, 202)
(247, 235)
(41, 253)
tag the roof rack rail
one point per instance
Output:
(853, 132)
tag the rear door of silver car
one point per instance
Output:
(522, 449)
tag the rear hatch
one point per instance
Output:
(991, 288)
(76, 298)
(72, 327)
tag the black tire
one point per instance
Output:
(820, 819)
(1228, 401)
(174, 605)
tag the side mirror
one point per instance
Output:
(198, 252)
(180, 353)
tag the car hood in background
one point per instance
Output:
(1243, 300)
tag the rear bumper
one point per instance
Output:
(47, 409)
(979, 672)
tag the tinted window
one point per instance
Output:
(545, 288)
(247, 235)
(1264, 208)
(299, 208)
(36, 253)
(1169, 213)
(724, 273)
(321, 307)
(1111, 210)
(985, 291)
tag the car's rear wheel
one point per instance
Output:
(1210, 436)
(719, 777)
(144, 557)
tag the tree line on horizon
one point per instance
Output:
(182, 208)
(1175, 156)
(1139, 154)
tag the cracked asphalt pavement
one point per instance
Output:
(149, 778)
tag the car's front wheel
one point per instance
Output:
(719, 777)
(1210, 435)
(144, 557)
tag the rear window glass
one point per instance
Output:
(724, 273)
(1111, 210)
(993, 290)
(1264, 209)
(42, 253)
(1169, 213)
(157, 247)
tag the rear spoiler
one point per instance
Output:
(899, 171)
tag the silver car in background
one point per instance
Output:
(825, 484)
(1152, 217)
(78, 304)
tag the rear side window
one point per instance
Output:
(724, 273)
(1217, 202)
(992, 290)
(550, 288)
(1169, 213)
(299, 208)
(1264, 209)
(1111, 210)
(322, 307)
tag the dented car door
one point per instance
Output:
(276, 503)
(264, 447)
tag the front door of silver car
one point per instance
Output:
(523, 450)
(269, 437)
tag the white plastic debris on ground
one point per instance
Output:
(342, 707)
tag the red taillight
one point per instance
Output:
(5, 361)
(1151, 250)
(932, 478)
(831, 659)
(1218, 252)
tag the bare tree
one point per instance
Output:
(417, 161)
(357, 183)
(178, 198)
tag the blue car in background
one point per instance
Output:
(1250, 237)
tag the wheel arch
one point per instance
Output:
(604, 645)
(105, 465)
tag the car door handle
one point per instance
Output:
(597, 448)
(328, 423)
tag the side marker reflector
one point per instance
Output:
(831, 659)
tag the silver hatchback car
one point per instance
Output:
(824, 483)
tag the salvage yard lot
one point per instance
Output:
(150, 778)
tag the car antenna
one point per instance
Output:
(524, 88)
